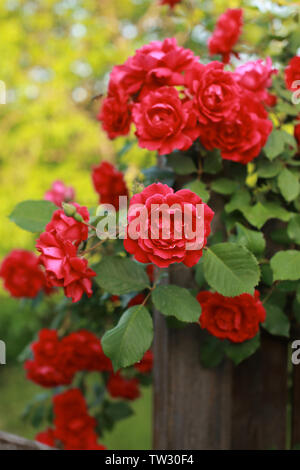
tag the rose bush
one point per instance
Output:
(228, 141)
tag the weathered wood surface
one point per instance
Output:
(12, 442)
(259, 398)
(191, 404)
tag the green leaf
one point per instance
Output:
(239, 200)
(155, 174)
(231, 269)
(251, 239)
(286, 265)
(127, 342)
(224, 186)
(199, 188)
(118, 410)
(120, 275)
(288, 184)
(178, 302)
(276, 323)
(260, 213)
(266, 274)
(267, 169)
(238, 352)
(181, 164)
(212, 351)
(33, 216)
(293, 229)
(212, 162)
(275, 144)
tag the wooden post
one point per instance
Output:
(191, 404)
(260, 394)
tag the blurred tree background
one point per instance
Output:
(55, 59)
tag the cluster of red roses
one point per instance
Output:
(58, 246)
(56, 361)
(233, 318)
(173, 99)
(74, 427)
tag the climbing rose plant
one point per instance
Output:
(227, 133)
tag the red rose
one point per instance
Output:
(63, 266)
(120, 387)
(146, 363)
(46, 368)
(137, 300)
(233, 318)
(74, 427)
(242, 138)
(217, 96)
(227, 33)
(115, 114)
(256, 77)
(56, 362)
(150, 272)
(109, 184)
(46, 437)
(292, 74)
(67, 227)
(22, 274)
(82, 350)
(154, 65)
(150, 245)
(60, 193)
(171, 3)
(164, 122)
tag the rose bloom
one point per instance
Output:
(109, 184)
(63, 267)
(217, 96)
(154, 65)
(120, 387)
(226, 33)
(46, 368)
(164, 122)
(146, 363)
(115, 114)
(242, 138)
(67, 227)
(233, 318)
(60, 193)
(82, 350)
(46, 437)
(74, 427)
(292, 73)
(22, 274)
(256, 77)
(163, 252)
